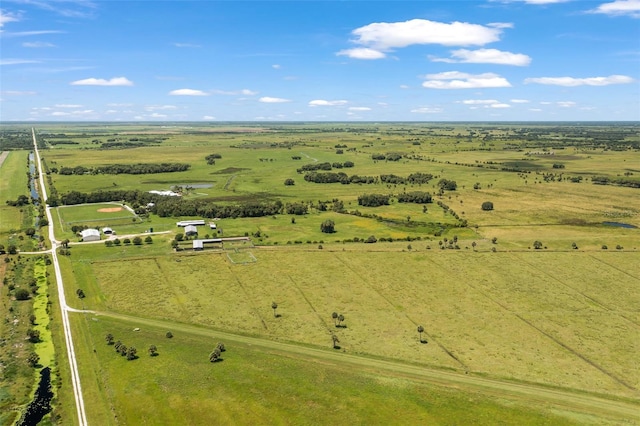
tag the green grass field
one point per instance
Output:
(563, 317)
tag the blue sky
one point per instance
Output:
(484, 60)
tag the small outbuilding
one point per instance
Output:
(107, 231)
(190, 230)
(90, 235)
(212, 225)
(198, 245)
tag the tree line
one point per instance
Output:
(128, 169)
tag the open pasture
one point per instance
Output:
(524, 316)
(263, 385)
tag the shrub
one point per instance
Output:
(487, 205)
(371, 239)
(22, 294)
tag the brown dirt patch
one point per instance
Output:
(110, 209)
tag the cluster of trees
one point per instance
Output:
(340, 177)
(487, 206)
(448, 185)
(174, 206)
(338, 319)
(296, 208)
(121, 348)
(392, 156)
(211, 158)
(418, 197)
(22, 200)
(328, 226)
(413, 178)
(373, 200)
(325, 166)
(603, 180)
(216, 354)
(128, 169)
(134, 197)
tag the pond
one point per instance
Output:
(41, 404)
(619, 224)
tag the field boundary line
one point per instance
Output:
(249, 298)
(386, 299)
(554, 339)
(614, 267)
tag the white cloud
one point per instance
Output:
(116, 81)
(535, 109)
(208, 117)
(536, 1)
(18, 93)
(566, 104)
(245, 92)
(499, 105)
(8, 17)
(160, 107)
(519, 101)
(459, 80)
(276, 66)
(17, 61)
(188, 92)
(619, 7)
(270, 100)
(37, 44)
(30, 33)
(389, 35)
(322, 102)
(157, 115)
(362, 53)
(67, 106)
(486, 56)
(404, 86)
(480, 101)
(426, 110)
(187, 45)
(359, 109)
(590, 81)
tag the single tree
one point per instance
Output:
(220, 347)
(487, 206)
(537, 245)
(109, 339)
(420, 330)
(340, 319)
(117, 345)
(137, 241)
(494, 240)
(474, 244)
(123, 350)
(274, 306)
(335, 341)
(131, 353)
(169, 335)
(335, 318)
(328, 226)
(33, 359)
(148, 240)
(153, 350)
(34, 335)
(65, 243)
(22, 294)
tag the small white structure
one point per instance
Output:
(90, 235)
(212, 225)
(190, 230)
(165, 193)
(185, 223)
(198, 245)
(107, 231)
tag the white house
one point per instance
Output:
(90, 235)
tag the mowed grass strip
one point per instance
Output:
(13, 183)
(259, 386)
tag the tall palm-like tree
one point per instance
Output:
(335, 318)
(274, 306)
(420, 330)
(340, 319)
(109, 339)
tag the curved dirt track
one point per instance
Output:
(598, 409)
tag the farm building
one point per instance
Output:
(190, 230)
(90, 235)
(212, 225)
(198, 245)
(185, 223)
(107, 231)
